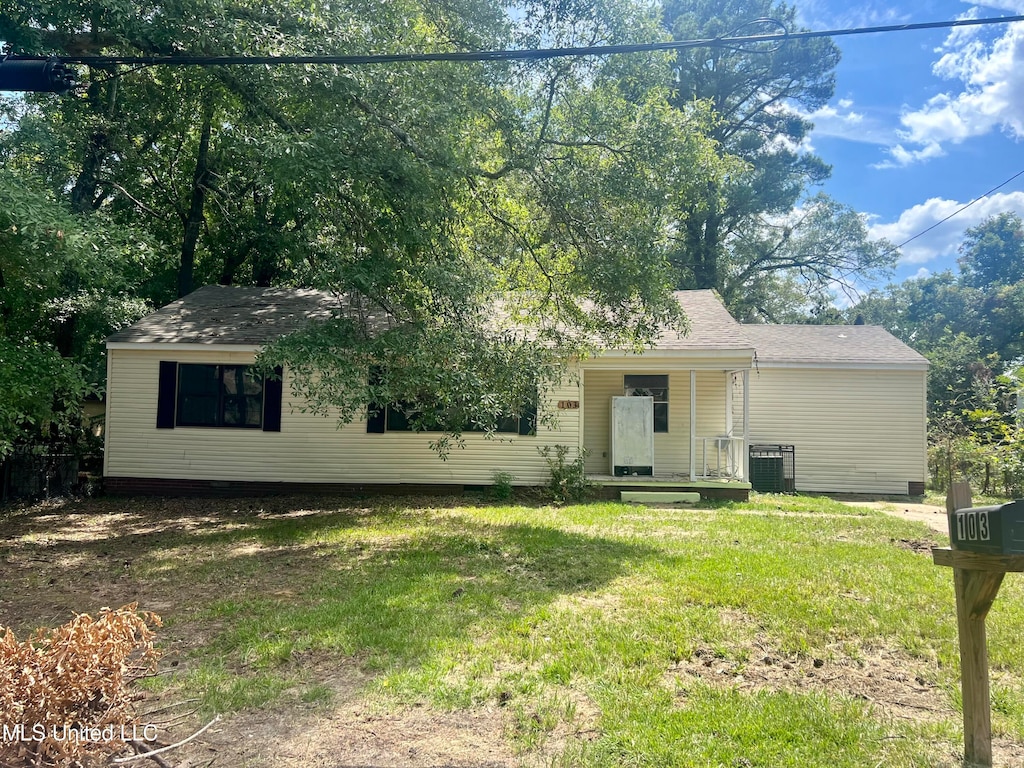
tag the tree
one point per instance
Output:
(779, 269)
(992, 253)
(748, 235)
(992, 262)
(425, 195)
(40, 396)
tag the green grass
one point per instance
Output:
(590, 619)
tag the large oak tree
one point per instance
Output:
(430, 195)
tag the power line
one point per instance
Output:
(527, 54)
(957, 212)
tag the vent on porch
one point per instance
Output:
(773, 468)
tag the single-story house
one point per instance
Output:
(815, 408)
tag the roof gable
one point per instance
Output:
(711, 325)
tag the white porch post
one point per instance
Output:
(745, 459)
(693, 424)
(728, 402)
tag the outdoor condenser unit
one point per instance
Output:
(632, 436)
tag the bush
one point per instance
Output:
(568, 481)
(71, 680)
(501, 486)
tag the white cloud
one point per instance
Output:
(922, 273)
(822, 14)
(946, 238)
(843, 121)
(902, 157)
(990, 72)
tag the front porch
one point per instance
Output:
(701, 424)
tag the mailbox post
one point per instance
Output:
(987, 543)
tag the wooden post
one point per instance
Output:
(975, 591)
(959, 497)
(977, 577)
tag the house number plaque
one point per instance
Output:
(569, 405)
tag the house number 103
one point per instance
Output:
(972, 526)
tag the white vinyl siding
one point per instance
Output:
(854, 430)
(672, 448)
(309, 448)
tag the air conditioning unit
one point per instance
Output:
(632, 435)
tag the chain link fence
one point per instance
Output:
(32, 472)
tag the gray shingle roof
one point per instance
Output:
(219, 314)
(711, 325)
(829, 344)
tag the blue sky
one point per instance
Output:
(923, 122)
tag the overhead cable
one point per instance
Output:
(525, 54)
(957, 212)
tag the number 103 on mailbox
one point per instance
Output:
(998, 529)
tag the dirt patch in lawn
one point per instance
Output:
(929, 514)
(880, 677)
(354, 734)
(883, 679)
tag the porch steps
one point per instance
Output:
(660, 497)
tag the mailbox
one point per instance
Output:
(997, 530)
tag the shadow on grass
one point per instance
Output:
(404, 599)
(260, 581)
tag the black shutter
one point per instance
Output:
(376, 414)
(528, 419)
(166, 402)
(375, 418)
(273, 389)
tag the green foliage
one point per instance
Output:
(568, 479)
(992, 253)
(41, 395)
(437, 197)
(983, 444)
(65, 279)
(501, 486)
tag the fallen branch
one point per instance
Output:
(142, 750)
(168, 748)
(146, 715)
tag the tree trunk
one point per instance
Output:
(101, 99)
(194, 221)
(701, 241)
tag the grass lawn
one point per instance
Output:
(786, 631)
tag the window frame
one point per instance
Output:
(223, 397)
(662, 410)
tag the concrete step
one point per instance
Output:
(661, 497)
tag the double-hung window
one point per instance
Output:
(219, 396)
(651, 386)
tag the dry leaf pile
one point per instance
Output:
(66, 694)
